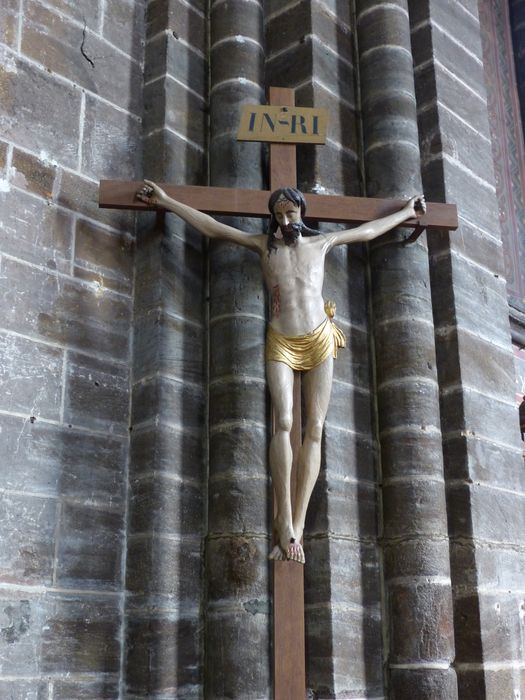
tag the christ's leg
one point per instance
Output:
(280, 382)
(317, 385)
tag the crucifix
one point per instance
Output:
(302, 338)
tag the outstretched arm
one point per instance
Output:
(207, 225)
(413, 209)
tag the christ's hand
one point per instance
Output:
(416, 206)
(152, 194)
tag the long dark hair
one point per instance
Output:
(295, 197)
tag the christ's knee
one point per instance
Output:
(284, 422)
(314, 430)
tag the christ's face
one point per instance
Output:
(286, 213)
(288, 216)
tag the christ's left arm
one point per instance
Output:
(413, 209)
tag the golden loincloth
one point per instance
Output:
(304, 352)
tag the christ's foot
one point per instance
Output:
(295, 552)
(277, 554)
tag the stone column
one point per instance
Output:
(482, 447)
(310, 46)
(238, 609)
(418, 602)
(167, 494)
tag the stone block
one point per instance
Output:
(421, 624)
(344, 652)
(104, 258)
(166, 449)
(160, 505)
(342, 572)
(9, 23)
(35, 231)
(489, 514)
(28, 172)
(291, 67)
(187, 21)
(332, 169)
(106, 687)
(421, 556)
(168, 104)
(453, 43)
(241, 449)
(481, 365)
(236, 285)
(3, 155)
(111, 142)
(244, 640)
(352, 366)
(97, 394)
(237, 400)
(416, 453)
(415, 352)
(348, 454)
(124, 26)
(81, 635)
(28, 690)
(238, 504)
(350, 408)
(58, 461)
(28, 526)
(233, 162)
(237, 571)
(442, 132)
(384, 27)
(414, 509)
(22, 615)
(30, 377)
(183, 275)
(90, 14)
(425, 684)
(400, 284)
(460, 100)
(180, 404)
(237, 347)
(165, 569)
(90, 548)
(63, 311)
(237, 19)
(27, 89)
(81, 196)
(170, 158)
(344, 508)
(388, 164)
(346, 262)
(411, 403)
(163, 655)
(237, 59)
(477, 414)
(54, 42)
(496, 567)
(167, 54)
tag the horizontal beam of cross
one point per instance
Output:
(114, 194)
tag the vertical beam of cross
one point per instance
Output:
(289, 671)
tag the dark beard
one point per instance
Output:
(291, 233)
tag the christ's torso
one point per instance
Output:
(294, 276)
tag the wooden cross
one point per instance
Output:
(288, 577)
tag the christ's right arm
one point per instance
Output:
(207, 225)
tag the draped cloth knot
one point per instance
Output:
(304, 352)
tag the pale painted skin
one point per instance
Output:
(295, 273)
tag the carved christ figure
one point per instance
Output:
(301, 333)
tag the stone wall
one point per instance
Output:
(145, 346)
(70, 113)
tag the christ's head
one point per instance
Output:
(287, 207)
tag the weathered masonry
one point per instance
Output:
(134, 421)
